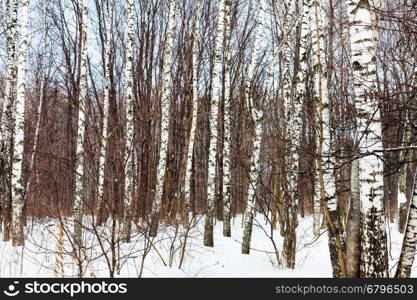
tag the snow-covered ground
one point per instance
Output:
(38, 258)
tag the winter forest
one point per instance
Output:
(200, 138)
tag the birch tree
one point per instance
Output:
(321, 99)
(227, 113)
(194, 106)
(165, 113)
(106, 103)
(292, 111)
(353, 221)
(214, 110)
(326, 163)
(363, 38)
(18, 186)
(256, 114)
(7, 122)
(408, 250)
(82, 104)
(130, 122)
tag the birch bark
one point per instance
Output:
(322, 102)
(257, 120)
(326, 163)
(18, 186)
(165, 113)
(82, 102)
(363, 38)
(353, 222)
(130, 124)
(216, 92)
(194, 106)
(408, 250)
(292, 111)
(7, 122)
(227, 114)
(106, 103)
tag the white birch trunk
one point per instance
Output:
(305, 40)
(214, 111)
(11, 38)
(293, 110)
(292, 105)
(257, 118)
(82, 102)
(408, 251)
(190, 150)
(227, 114)
(130, 123)
(7, 121)
(324, 175)
(106, 103)
(326, 163)
(18, 186)
(165, 114)
(363, 38)
(328, 185)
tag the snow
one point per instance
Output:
(223, 260)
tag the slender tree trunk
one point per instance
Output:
(227, 114)
(292, 109)
(214, 110)
(106, 102)
(353, 213)
(7, 121)
(408, 250)
(127, 226)
(405, 154)
(320, 98)
(194, 109)
(353, 238)
(325, 162)
(165, 114)
(257, 116)
(18, 186)
(60, 249)
(82, 110)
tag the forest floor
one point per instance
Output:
(41, 253)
